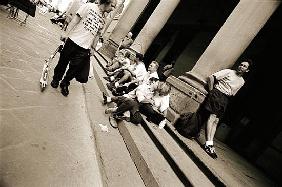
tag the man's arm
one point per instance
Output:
(76, 19)
(169, 66)
(210, 82)
(96, 39)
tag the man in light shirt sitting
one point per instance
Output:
(130, 102)
(129, 86)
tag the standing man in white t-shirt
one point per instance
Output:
(222, 86)
(71, 11)
(81, 37)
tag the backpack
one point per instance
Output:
(189, 124)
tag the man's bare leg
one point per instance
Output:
(210, 132)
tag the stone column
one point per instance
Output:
(232, 39)
(128, 19)
(154, 24)
(124, 25)
(112, 15)
(235, 35)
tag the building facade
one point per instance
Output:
(203, 37)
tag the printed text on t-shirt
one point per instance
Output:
(93, 22)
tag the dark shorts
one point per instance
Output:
(216, 102)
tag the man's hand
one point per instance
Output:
(167, 67)
(156, 108)
(63, 37)
(148, 101)
(126, 84)
(92, 51)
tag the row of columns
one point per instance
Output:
(242, 25)
(124, 25)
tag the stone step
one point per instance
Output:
(169, 159)
(101, 60)
(116, 165)
(151, 164)
(187, 169)
(229, 169)
(107, 50)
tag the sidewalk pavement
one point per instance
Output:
(46, 138)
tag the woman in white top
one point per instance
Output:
(155, 109)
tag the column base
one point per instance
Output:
(195, 80)
(185, 97)
(109, 48)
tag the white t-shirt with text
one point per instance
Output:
(84, 33)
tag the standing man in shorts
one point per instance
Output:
(222, 85)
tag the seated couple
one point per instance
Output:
(150, 99)
(127, 79)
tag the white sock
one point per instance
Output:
(116, 84)
(126, 114)
(109, 99)
(209, 142)
(162, 124)
(112, 78)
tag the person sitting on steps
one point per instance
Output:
(129, 86)
(130, 102)
(136, 75)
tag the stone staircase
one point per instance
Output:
(163, 157)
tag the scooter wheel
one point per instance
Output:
(42, 87)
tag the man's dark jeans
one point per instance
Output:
(76, 57)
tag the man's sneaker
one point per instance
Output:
(54, 84)
(110, 86)
(211, 151)
(107, 79)
(121, 117)
(64, 90)
(104, 98)
(113, 122)
(116, 93)
(110, 110)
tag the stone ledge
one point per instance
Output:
(181, 163)
(152, 166)
(229, 169)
